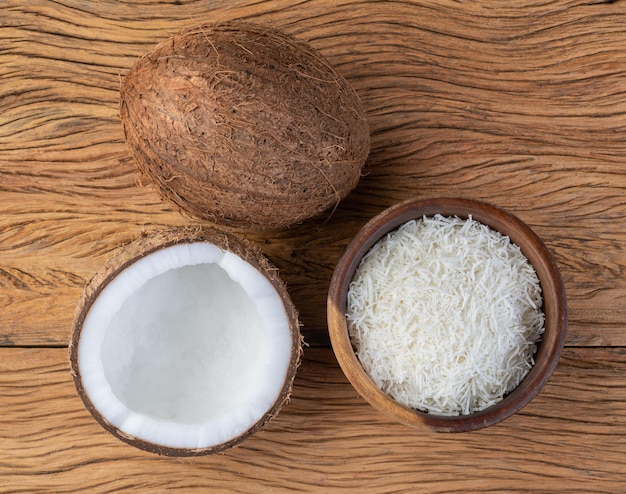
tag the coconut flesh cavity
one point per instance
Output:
(186, 350)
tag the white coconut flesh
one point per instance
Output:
(188, 347)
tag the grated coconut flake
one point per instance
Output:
(445, 315)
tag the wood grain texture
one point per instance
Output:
(523, 106)
(325, 440)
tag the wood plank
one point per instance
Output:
(521, 106)
(571, 438)
(518, 105)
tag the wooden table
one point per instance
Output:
(522, 106)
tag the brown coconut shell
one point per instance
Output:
(145, 245)
(244, 125)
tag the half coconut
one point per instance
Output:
(185, 343)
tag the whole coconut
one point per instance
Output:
(244, 125)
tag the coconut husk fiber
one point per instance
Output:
(244, 125)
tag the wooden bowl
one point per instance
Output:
(555, 309)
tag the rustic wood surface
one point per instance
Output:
(523, 106)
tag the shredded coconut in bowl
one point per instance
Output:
(445, 315)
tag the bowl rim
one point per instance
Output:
(555, 309)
